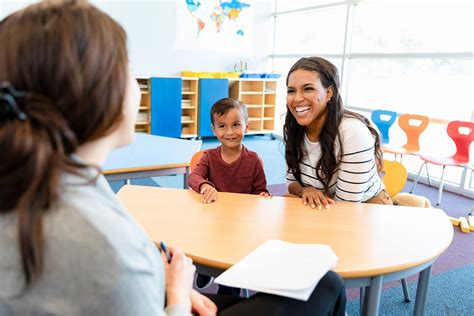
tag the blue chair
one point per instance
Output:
(383, 125)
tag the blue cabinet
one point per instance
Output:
(210, 91)
(166, 107)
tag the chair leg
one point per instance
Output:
(362, 293)
(428, 174)
(416, 178)
(441, 184)
(405, 290)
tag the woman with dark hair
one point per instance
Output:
(67, 245)
(331, 153)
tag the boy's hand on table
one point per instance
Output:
(208, 192)
(266, 195)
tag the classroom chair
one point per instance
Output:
(413, 125)
(459, 159)
(383, 119)
(195, 159)
(395, 177)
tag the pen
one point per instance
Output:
(165, 250)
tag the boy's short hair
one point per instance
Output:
(222, 106)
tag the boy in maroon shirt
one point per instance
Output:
(228, 168)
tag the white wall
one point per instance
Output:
(152, 27)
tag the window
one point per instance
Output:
(290, 5)
(413, 28)
(423, 86)
(319, 31)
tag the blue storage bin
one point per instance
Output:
(271, 76)
(250, 75)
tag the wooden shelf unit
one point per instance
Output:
(260, 97)
(189, 107)
(179, 107)
(144, 111)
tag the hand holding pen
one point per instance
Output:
(179, 277)
(165, 250)
(179, 274)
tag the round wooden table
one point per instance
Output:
(374, 243)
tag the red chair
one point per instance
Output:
(413, 125)
(459, 159)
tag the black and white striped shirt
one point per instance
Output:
(356, 179)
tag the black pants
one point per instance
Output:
(328, 298)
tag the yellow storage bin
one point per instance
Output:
(204, 74)
(231, 75)
(187, 73)
(207, 74)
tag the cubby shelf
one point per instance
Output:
(260, 97)
(251, 92)
(189, 107)
(144, 116)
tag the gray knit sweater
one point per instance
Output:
(98, 260)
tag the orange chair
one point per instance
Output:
(413, 125)
(195, 159)
(459, 159)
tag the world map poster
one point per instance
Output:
(213, 23)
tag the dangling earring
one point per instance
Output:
(329, 101)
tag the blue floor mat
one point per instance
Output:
(449, 293)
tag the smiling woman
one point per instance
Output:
(331, 153)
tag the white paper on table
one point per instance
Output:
(281, 268)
